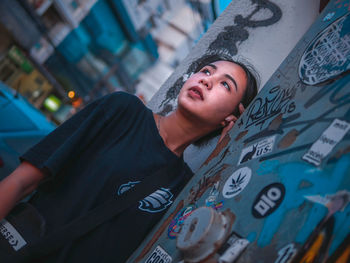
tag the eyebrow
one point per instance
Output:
(226, 75)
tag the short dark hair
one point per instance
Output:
(250, 92)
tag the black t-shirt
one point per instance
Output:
(98, 154)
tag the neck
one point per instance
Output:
(178, 132)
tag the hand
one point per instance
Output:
(229, 122)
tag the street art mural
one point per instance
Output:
(283, 172)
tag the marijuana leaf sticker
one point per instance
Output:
(236, 182)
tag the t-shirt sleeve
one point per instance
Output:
(75, 134)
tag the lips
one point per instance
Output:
(196, 92)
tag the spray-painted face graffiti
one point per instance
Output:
(211, 95)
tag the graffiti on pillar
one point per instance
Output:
(263, 109)
(234, 35)
(294, 204)
(226, 44)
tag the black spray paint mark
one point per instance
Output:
(234, 35)
(278, 101)
(226, 44)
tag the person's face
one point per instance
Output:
(212, 94)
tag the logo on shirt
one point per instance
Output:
(125, 187)
(155, 202)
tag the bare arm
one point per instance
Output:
(21, 182)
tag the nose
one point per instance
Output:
(206, 82)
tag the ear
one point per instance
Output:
(228, 119)
(228, 124)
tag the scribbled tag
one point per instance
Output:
(327, 141)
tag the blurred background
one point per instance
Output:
(56, 56)
(62, 54)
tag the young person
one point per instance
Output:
(112, 145)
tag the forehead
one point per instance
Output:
(228, 67)
(232, 69)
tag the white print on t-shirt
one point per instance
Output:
(125, 187)
(155, 202)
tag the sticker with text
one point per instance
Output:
(159, 256)
(257, 149)
(268, 200)
(286, 253)
(236, 182)
(327, 141)
(232, 249)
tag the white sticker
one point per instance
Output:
(10, 233)
(236, 182)
(257, 149)
(232, 253)
(286, 254)
(327, 141)
(159, 256)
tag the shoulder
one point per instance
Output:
(122, 98)
(120, 101)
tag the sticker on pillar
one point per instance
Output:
(268, 200)
(327, 141)
(211, 200)
(327, 56)
(328, 17)
(159, 256)
(232, 249)
(257, 149)
(286, 253)
(236, 182)
(178, 220)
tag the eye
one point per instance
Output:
(224, 83)
(206, 71)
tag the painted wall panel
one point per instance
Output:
(283, 173)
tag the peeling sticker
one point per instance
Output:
(304, 184)
(335, 202)
(327, 141)
(288, 139)
(233, 247)
(213, 194)
(241, 135)
(268, 200)
(286, 253)
(236, 182)
(159, 256)
(257, 149)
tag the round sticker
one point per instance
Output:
(268, 200)
(236, 182)
(327, 56)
